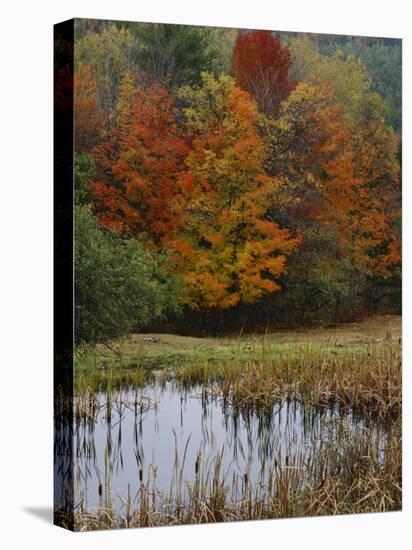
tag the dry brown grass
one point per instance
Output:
(349, 475)
(367, 377)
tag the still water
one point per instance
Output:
(163, 436)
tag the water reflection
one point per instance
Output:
(168, 438)
(63, 453)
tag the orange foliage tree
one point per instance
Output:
(261, 67)
(361, 193)
(138, 166)
(348, 177)
(229, 252)
(87, 115)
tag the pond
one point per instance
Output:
(173, 441)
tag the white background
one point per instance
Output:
(26, 271)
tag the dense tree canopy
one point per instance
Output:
(137, 167)
(108, 53)
(171, 55)
(230, 251)
(258, 172)
(119, 285)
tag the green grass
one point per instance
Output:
(160, 350)
(356, 365)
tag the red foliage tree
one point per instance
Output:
(261, 67)
(138, 168)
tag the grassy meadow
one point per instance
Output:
(358, 364)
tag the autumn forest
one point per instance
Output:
(252, 178)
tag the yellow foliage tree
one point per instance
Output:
(229, 251)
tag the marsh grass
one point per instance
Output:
(350, 474)
(367, 377)
(102, 379)
(364, 375)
